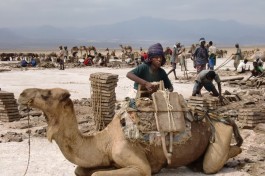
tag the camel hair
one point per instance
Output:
(108, 152)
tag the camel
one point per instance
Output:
(127, 49)
(108, 152)
(221, 53)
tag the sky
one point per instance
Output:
(84, 13)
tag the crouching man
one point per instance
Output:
(205, 79)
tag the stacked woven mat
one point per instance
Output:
(211, 103)
(201, 105)
(103, 97)
(250, 117)
(8, 107)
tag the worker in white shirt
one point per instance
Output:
(242, 67)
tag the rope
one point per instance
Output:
(28, 143)
(169, 110)
(224, 63)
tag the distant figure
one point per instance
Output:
(61, 58)
(242, 67)
(88, 61)
(191, 51)
(143, 55)
(257, 71)
(260, 62)
(175, 59)
(201, 56)
(182, 58)
(205, 79)
(33, 62)
(238, 56)
(65, 54)
(168, 54)
(212, 55)
(24, 64)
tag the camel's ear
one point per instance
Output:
(65, 96)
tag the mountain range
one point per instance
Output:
(137, 32)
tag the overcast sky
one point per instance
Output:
(69, 13)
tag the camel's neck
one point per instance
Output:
(77, 148)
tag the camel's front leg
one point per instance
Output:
(82, 171)
(130, 159)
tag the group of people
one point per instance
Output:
(151, 71)
(241, 67)
(31, 63)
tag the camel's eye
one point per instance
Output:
(45, 97)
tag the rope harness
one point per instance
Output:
(172, 124)
(29, 132)
(224, 63)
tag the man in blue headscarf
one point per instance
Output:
(151, 70)
(201, 56)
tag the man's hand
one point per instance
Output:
(150, 87)
(221, 99)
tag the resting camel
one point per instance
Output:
(107, 152)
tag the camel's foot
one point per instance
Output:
(234, 151)
(81, 171)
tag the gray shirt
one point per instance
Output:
(175, 53)
(201, 77)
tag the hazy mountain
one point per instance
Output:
(138, 32)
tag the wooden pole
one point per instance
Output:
(232, 79)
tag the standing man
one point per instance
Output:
(238, 56)
(212, 55)
(174, 59)
(65, 54)
(201, 56)
(61, 58)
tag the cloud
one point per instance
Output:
(82, 13)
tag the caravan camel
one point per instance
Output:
(127, 49)
(108, 152)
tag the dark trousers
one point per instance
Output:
(61, 64)
(208, 86)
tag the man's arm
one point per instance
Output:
(135, 78)
(150, 87)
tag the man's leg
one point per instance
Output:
(211, 88)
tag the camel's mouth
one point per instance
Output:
(24, 101)
(21, 102)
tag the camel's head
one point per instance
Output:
(53, 102)
(44, 99)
